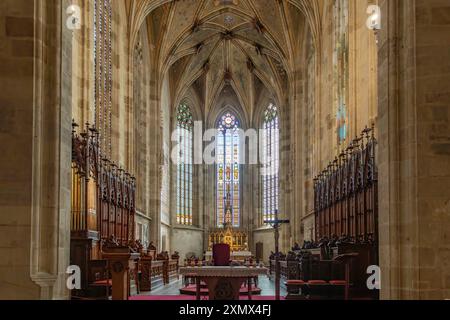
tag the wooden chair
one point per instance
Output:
(346, 260)
(221, 255)
(325, 280)
(335, 285)
(99, 278)
(294, 289)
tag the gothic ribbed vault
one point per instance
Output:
(209, 45)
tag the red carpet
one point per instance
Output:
(192, 298)
(162, 298)
(192, 290)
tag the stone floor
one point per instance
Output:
(267, 286)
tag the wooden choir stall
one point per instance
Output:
(103, 211)
(158, 270)
(103, 240)
(346, 238)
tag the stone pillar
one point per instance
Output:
(414, 153)
(35, 137)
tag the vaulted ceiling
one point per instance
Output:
(212, 45)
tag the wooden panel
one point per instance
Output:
(103, 201)
(345, 201)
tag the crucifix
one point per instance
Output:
(276, 224)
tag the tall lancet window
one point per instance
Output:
(184, 164)
(228, 171)
(103, 73)
(341, 62)
(271, 163)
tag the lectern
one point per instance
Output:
(120, 261)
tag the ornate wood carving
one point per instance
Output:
(345, 195)
(102, 189)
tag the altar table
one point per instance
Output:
(224, 283)
(235, 256)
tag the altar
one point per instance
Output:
(239, 256)
(224, 283)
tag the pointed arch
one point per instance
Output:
(234, 104)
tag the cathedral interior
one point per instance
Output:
(168, 127)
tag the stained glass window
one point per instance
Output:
(271, 163)
(103, 73)
(184, 165)
(341, 62)
(228, 171)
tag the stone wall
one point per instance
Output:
(432, 70)
(187, 241)
(16, 114)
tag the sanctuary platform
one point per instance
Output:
(223, 283)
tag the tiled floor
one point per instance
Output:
(267, 286)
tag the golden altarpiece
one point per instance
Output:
(236, 238)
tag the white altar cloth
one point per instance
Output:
(236, 255)
(225, 272)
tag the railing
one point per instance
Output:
(157, 273)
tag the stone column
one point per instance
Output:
(35, 137)
(414, 151)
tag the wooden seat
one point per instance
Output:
(102, 283)
(99, 278)
(295, 283)
(338, 283)
(317, 289)
(346, 260)
(317, 282)
(294, 289)
(221, 254)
